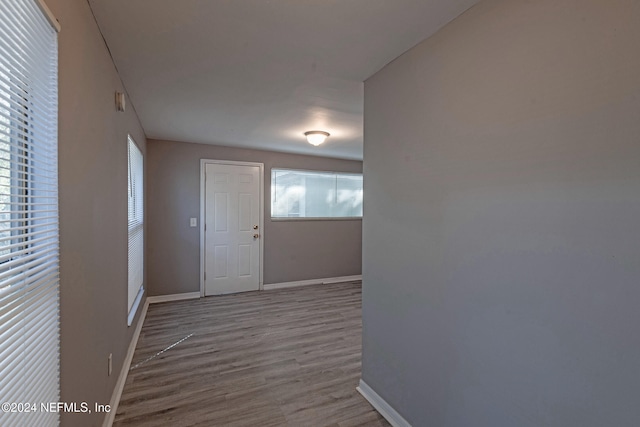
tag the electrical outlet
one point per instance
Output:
(110, 363)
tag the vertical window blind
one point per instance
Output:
(136, 227)
(29, 248)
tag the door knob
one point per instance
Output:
(255, 227)
(255, 236)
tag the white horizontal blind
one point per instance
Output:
(136, 226)
(29, 307)
(311, 194)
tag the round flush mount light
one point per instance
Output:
(316, 137)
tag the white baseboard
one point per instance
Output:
(341, 279)
(173, 297)
(122, 378)
(381, 405)
(326, 281)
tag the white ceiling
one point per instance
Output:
(259, 73)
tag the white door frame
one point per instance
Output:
(203, 165)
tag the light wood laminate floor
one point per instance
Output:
(288, 357)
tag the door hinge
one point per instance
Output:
(205, 276)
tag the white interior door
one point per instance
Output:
(232, 228)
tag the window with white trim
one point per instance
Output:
(135, 192)
(312, 194)
(29, 242)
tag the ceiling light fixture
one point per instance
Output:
(316, 137)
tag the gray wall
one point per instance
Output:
(293, 250)
(93, 212)
(502, 219)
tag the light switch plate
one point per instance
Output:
(193, 222)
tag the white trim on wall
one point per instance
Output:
(134, 307)
(381, 405)
(122, 378)
(50, 16)
(326, 281)
(173, 297)
(203, 163)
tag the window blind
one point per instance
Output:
(29, 248)
(136, 227)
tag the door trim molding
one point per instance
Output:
(203, 164)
